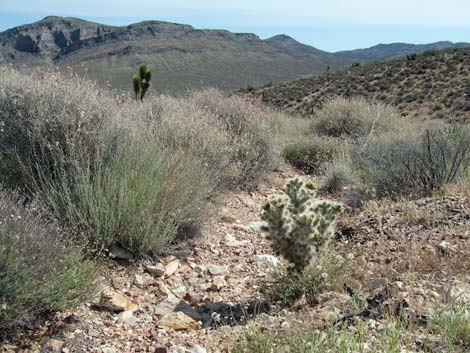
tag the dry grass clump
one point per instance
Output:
(310, 154)
(121, 171)
(231, 135)
(40, 272)
(414, 165)
(355, 118)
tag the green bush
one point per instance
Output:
(337, 176)
(230, 135)
(414, 164)
(355, 118)
(310, 154)
(40, 273)
(452, 322)
(138, 199)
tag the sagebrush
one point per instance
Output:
(40, 271)
(120, 171)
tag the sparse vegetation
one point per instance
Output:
(41, 272)
(355, 118)
(452, 321)
(97, 168)
(415, 164)
(286, 289)
(101, 165)
(338, 175)
(413, 86)
(328, 339)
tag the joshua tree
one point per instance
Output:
(141, 81)
(328, 73)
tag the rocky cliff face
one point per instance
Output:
(46, 38)
(182, 56)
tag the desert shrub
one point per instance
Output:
(43, 114)
(121, 171)
(298, 224)
(248, 126)
(231, 135)
(337, 176)
(138, 199)
(40, 272)
(414, 164)
(310, 154)
(355, 118)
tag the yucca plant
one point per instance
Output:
(141, 81)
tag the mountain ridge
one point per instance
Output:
(384, 51)
(182, 56)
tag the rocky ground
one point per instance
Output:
(408, 255)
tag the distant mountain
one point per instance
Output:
(433, 84)
(388, 51)
(181, 55)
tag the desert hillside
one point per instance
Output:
(433, 84)
(382, 52)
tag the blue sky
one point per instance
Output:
(327, 24)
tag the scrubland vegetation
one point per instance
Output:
(435, 84)
(113, 171)
(81, 165)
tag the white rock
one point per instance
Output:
(180, 291)
(256, 226)
(198, 349)
(108, 350)
(444, 246)
(266, 259)
(232, 242)
(217, 270)
(172, 267)
(128, 318)
(115, 302)
(218, 283)
(158, 269)
(285, 325)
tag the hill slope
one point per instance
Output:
(181, 55)
(394, 50)
(436, 83)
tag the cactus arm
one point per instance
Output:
(298, 224)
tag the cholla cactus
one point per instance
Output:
(141, 81)
(299, 224)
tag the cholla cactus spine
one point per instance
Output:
(298, 223)
(141, 81)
